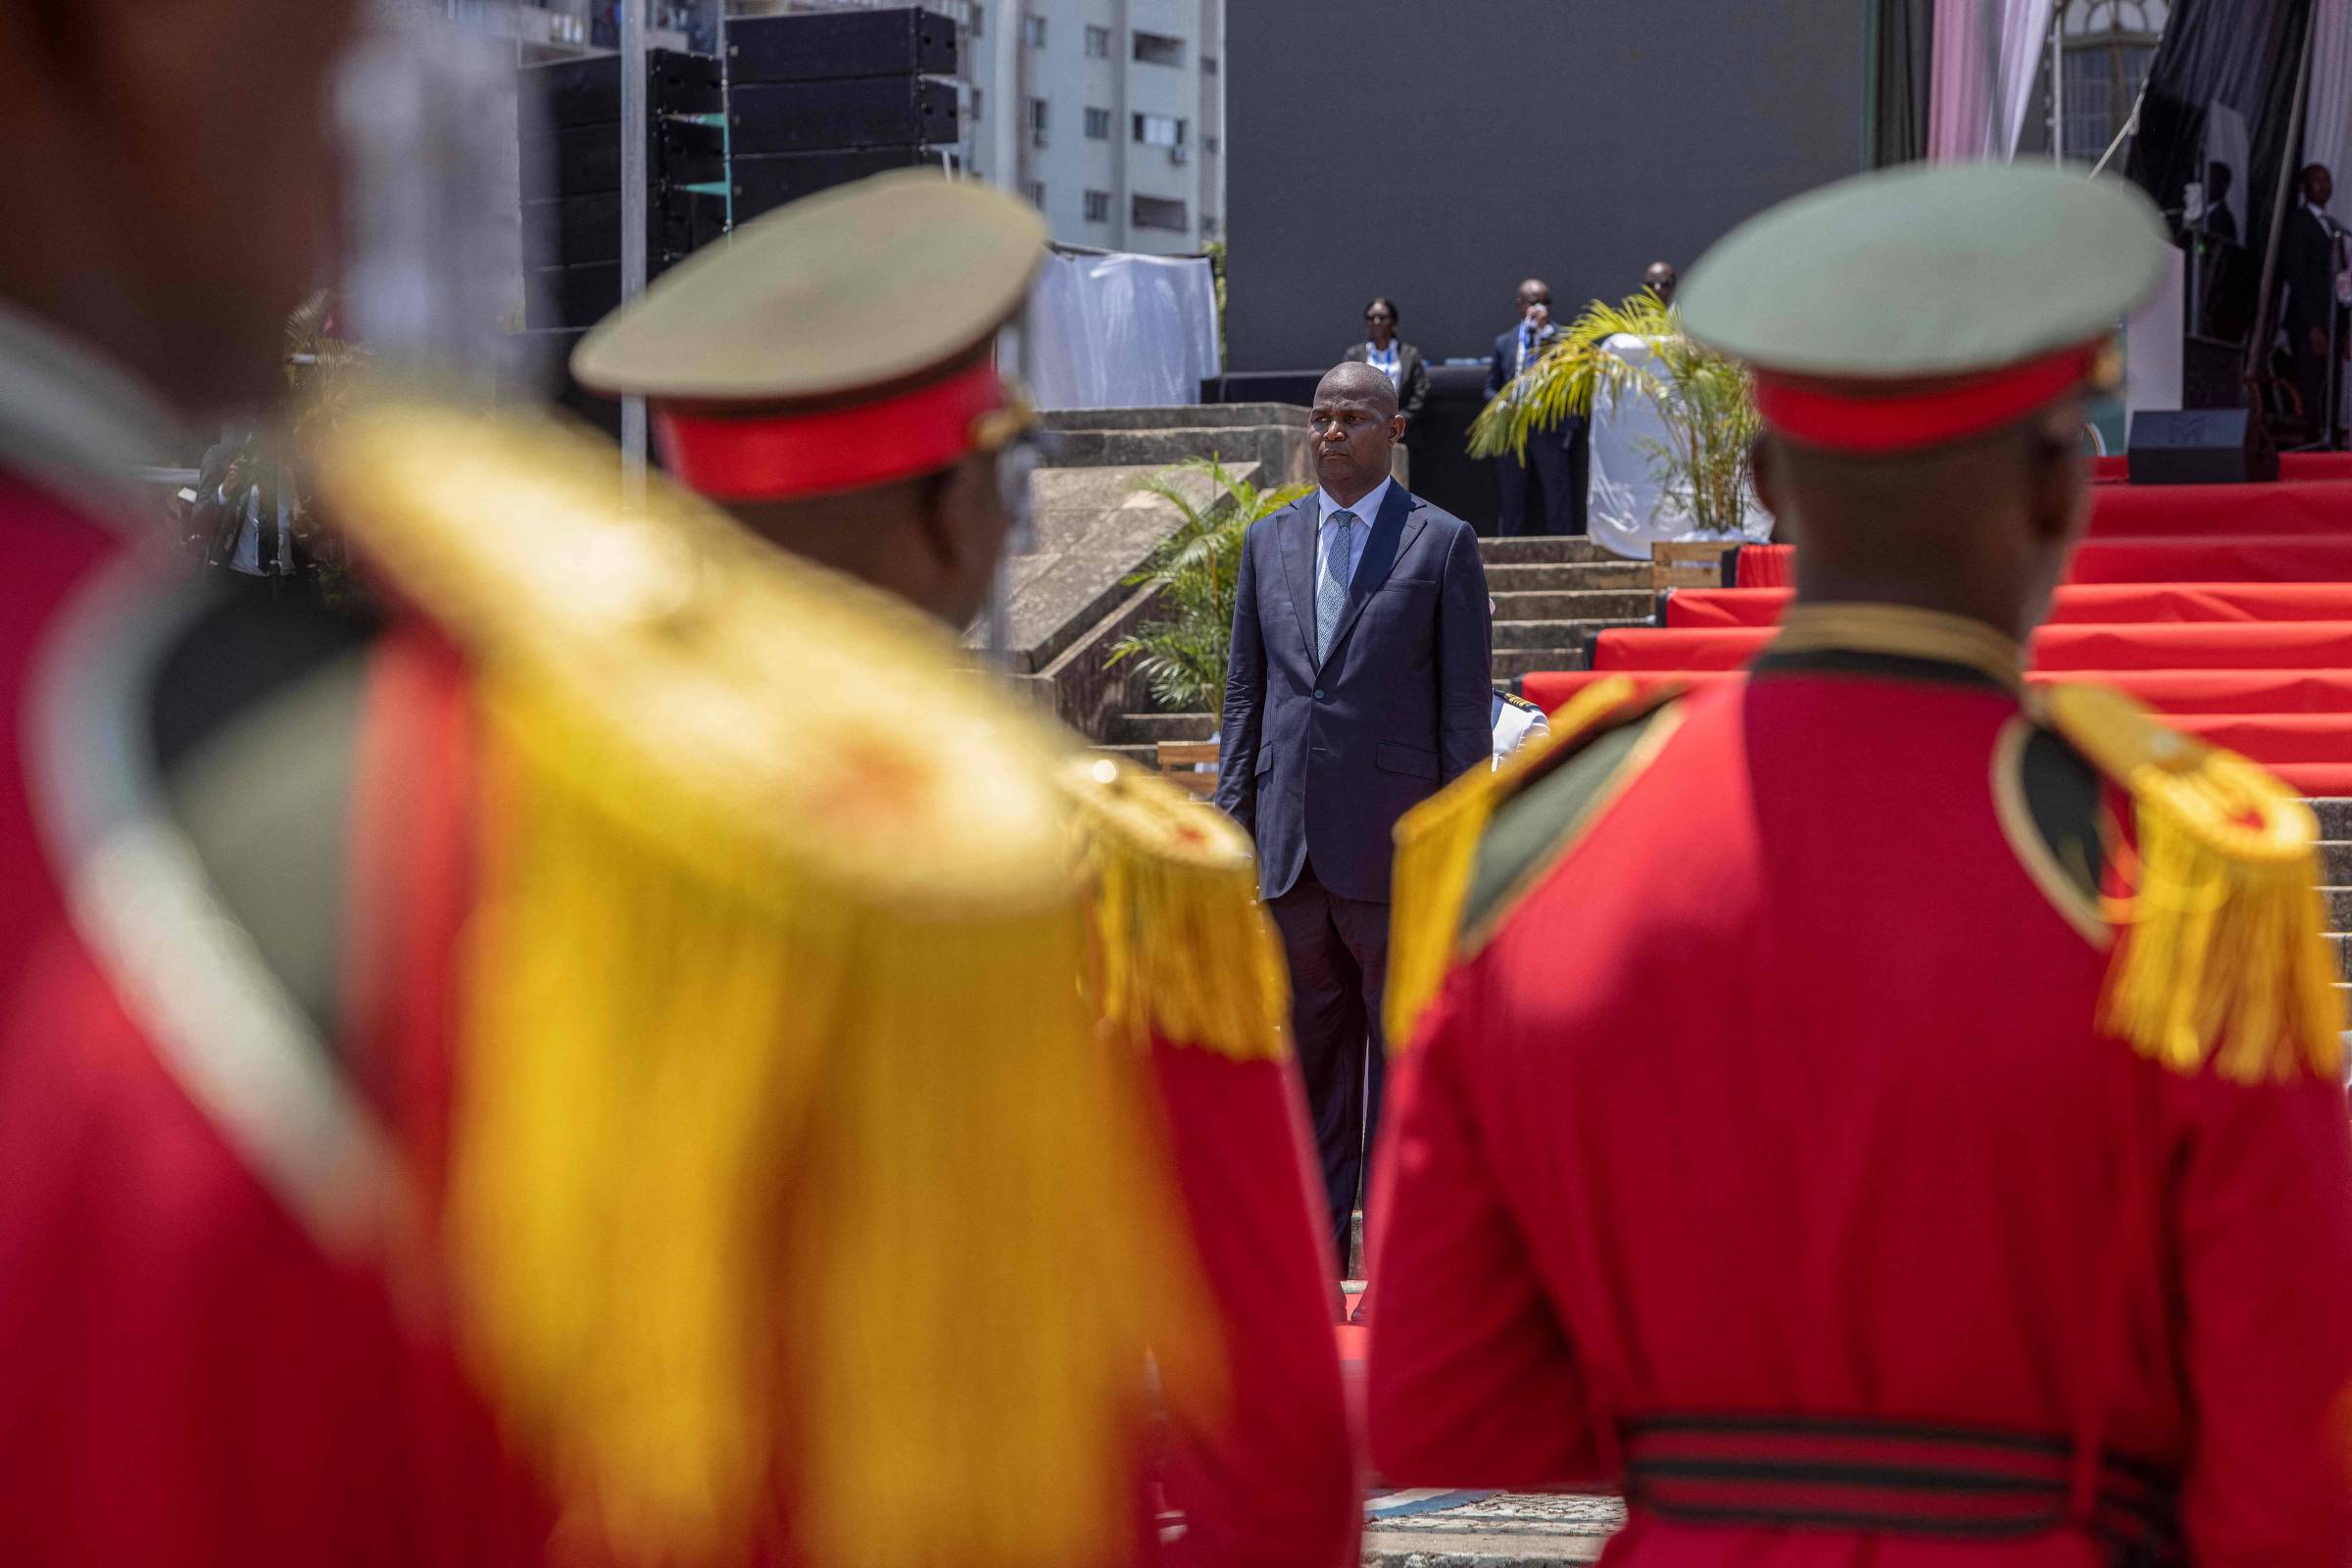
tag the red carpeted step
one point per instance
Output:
(2290, 506)
(2206, 558)
(2319, 780)
(2277, 740)
(2170, 691)
(2206, 644)
(2117, 469)
(2112, 604)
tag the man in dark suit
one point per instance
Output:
(1360, 681)
(1549, 467)
(2307, 261)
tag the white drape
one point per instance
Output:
(1974, 113)
(2328, 113)
(1121, 332)
(1628, 508)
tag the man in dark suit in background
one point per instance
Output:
(1549, 467)
(1360, 682)
(2307, 261)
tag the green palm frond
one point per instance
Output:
(1707, 401)
(1181, 651)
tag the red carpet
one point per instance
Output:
(2110, 603)
(2227, 606)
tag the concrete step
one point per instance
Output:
(2336, 862)
(1517, 577)
(1141, 730)
(1143, 757)
(2339, 907)
(1511, 663)
(1627, 606)
(1547, 633)
(2335, 817)
(1549, 550)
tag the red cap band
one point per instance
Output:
(1804, 411)
(775, 456)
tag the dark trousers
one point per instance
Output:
(1545, 494)
(1339, 956)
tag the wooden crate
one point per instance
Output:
(1190, 764)
(1698, 565)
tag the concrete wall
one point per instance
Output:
(1438, 151)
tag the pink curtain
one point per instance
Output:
(1977, 109)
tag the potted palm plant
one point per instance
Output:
(1706, 401)
(1181, 650)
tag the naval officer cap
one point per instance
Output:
(1911, 307)
(844, 341)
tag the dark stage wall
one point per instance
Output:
(1441, 149)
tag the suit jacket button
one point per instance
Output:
(1319, 694)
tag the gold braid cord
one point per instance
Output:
(1436, 850)
(2222, 956)
(786, 1159)
(1183, 948)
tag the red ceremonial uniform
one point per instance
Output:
(215, 1344)
(1763, 1156)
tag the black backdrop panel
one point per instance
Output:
(1439, 153)
(2239, 54)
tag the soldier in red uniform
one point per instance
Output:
(563, 1074)
(783, 416)
(1868, 1112)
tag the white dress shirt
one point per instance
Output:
(1389, 361)
(1364, 511)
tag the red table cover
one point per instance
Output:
(2193, 644)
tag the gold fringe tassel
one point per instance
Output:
(1183, 950)
(761, 1190)
(1437, 850)
(2222, 955)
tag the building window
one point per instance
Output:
(1209, 145)
(1039, 120)
(1097, 43)
(1209, 226)
(975, 103)
(2109, 45)
(1097, 125)
(1035, 190)
(1098, 207)
(1158, 212)
(979, 18)
(1158, 49)
(1032, 32)
(1208, 67)
(1159, 130)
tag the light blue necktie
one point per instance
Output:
(1330, 594)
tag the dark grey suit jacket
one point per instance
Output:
(1322, 757)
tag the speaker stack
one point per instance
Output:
(820, 100)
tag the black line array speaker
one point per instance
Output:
(2200, 446)
(817, 100)
(571, 179)
(904, 42)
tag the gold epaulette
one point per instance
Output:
(1437, 847)
(1183, 950)
(776, 1091)
(791, 713)
(2221, 956)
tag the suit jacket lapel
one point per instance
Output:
(1296, 536)
(1393, 534)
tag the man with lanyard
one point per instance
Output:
(1867, 1111)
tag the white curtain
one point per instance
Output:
(1112, 331)
(1976, 112)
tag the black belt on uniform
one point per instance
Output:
(1954, 1483)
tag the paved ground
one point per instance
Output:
(1486, 1528)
